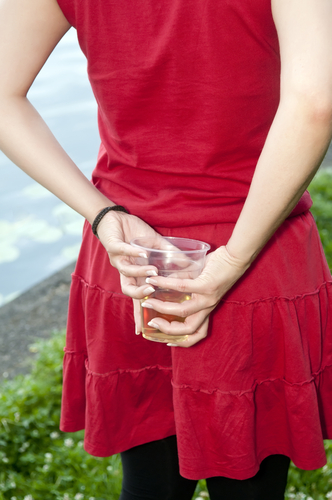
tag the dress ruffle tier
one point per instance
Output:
(114, 386)
(259, 384)
(267, 394)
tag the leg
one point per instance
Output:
(151, 472)
(269, 483)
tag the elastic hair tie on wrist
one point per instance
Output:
(117, 208)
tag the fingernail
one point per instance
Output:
(151, 273)
(151, 281)
(146, 304)
(148, 290)
(173, 345)
(154, 325)
(143, 255)
(137, 332)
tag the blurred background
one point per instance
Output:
(39, 234)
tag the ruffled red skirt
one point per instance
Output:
(259, 384)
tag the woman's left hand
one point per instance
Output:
(220, 273)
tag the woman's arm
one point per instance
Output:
(294, 149)
(29, 32)
(302, 128)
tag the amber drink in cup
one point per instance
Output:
(180, 258)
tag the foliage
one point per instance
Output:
(321, 193)
(314, 485)
(38, 462)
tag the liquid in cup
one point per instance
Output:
(174, 258)
(147, 315)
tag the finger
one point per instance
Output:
(157, 242)
(188, 327)
(199, 335)
(137, 316)
(118, 247)
(168, 255)
(182, 309)
(129, 287)
(197, 285)
(128, 269)
(131, 266)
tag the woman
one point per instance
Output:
(214, 117)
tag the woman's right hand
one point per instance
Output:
(115, 231)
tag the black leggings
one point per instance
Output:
(151, 472)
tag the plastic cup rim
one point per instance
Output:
(206, 246)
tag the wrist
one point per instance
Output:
(96, 208)
(102, 213)
(238, 258)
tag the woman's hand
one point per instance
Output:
(220, 273)
(115, 231)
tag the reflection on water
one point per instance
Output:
(38, 233)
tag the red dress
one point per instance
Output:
(187, 91)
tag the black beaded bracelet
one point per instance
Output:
(117, 208)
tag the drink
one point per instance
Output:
(151, 333)
(173, 257)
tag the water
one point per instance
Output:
(39, 234)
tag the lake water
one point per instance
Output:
(39, 234)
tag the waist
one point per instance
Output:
(174, 202)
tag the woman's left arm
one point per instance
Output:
(294, 148)
(302, 128)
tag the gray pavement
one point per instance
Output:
(33, 315)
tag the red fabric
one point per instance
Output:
(187, 91)
(184, 88)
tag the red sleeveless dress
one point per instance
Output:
(186, 92)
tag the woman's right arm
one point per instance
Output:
(29, 31)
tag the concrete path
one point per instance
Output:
(33, 315)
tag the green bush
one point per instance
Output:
(321, 193)
(38, 462)
(311, 485)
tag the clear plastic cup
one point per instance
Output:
(174, 257)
